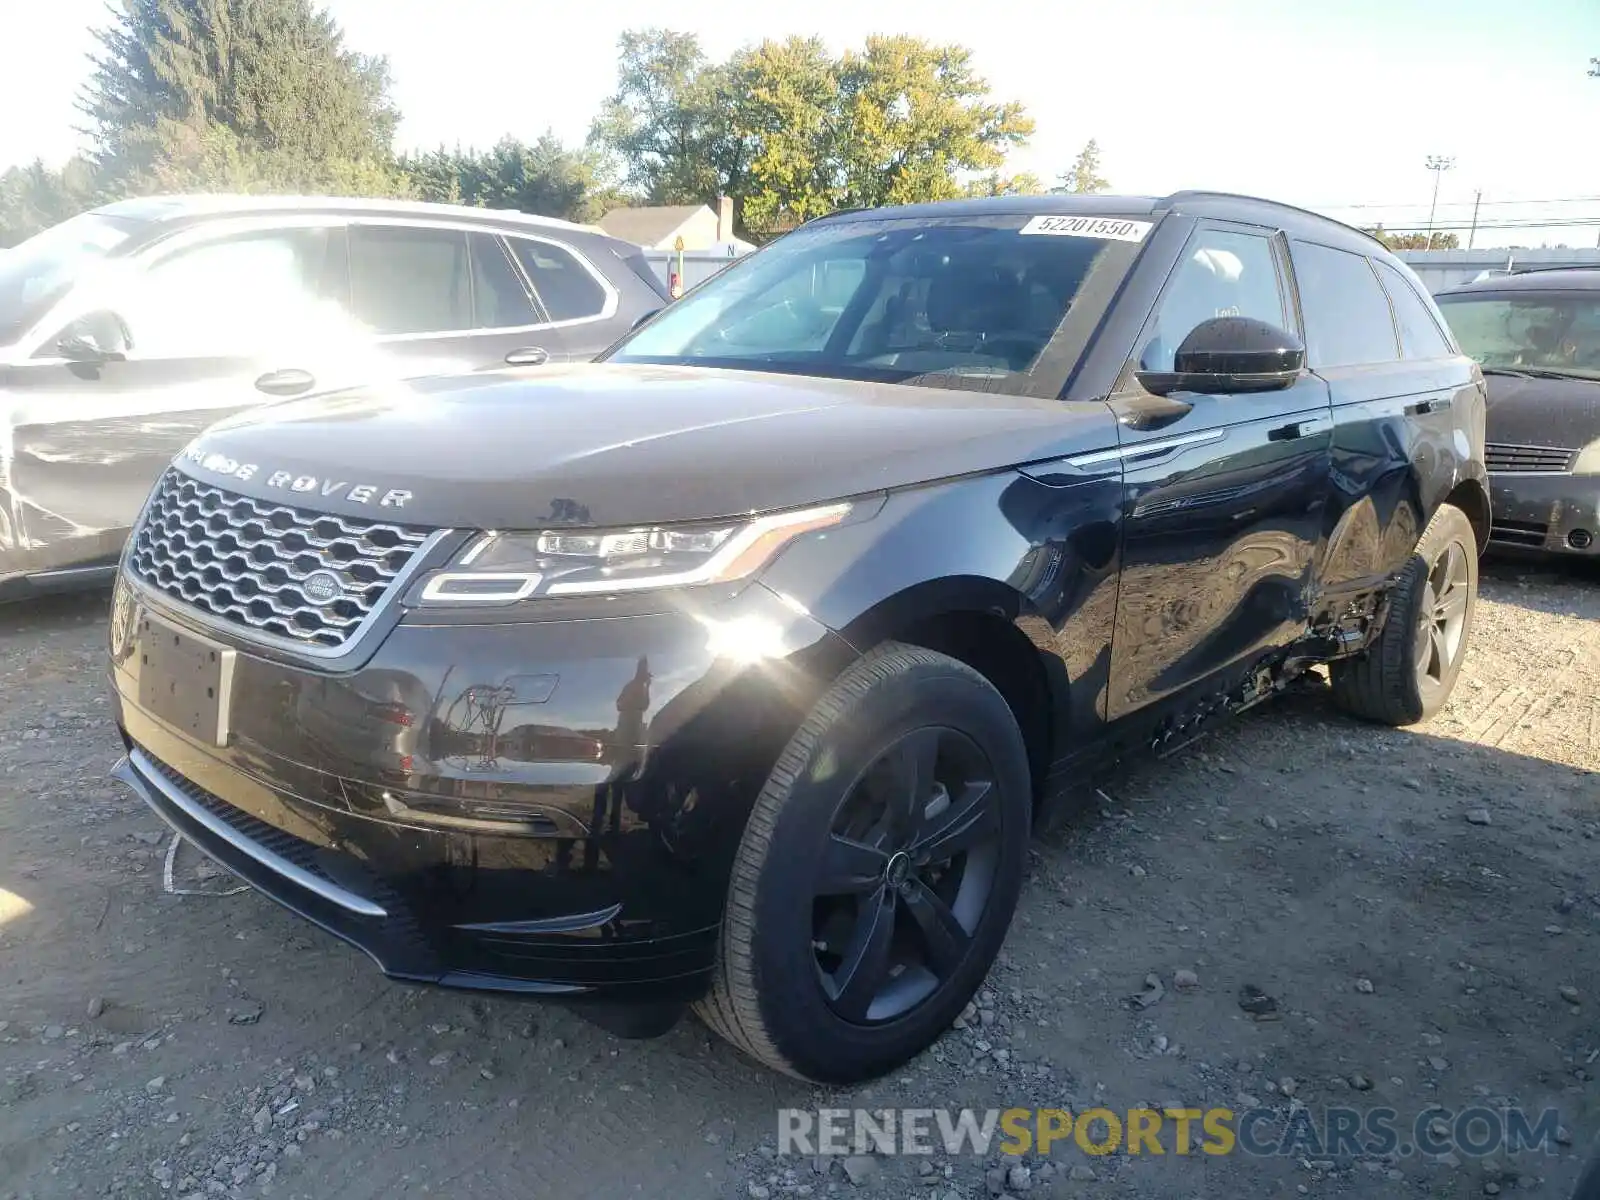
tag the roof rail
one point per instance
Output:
(1572, 267)
(1205, 194)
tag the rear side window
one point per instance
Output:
(1348, 322)
(406, 279)
(566, 288)
(1420, 335)
(500, 299)
(640, 266)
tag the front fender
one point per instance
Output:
(1041, 557)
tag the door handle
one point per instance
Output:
(528, 356)
(1427, 406)
(1298, 429)
(289, 382)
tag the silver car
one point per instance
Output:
(127, 330)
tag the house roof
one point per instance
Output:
(646, 226)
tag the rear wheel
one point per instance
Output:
(878, 872)
(1407, 674)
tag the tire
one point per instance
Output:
(1389, 682)
(777, 993)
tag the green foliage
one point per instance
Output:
(545, 178)
(263, 96)
(913, 115)
(274, 73)
(1415, 241)
(667, 123)
(1024, 183)
(1083, 177)
(780, 168)
(791, 132)
(36, 197)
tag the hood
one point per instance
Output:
(609, 445)
(1543, 412)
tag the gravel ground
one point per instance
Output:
(1420, 905)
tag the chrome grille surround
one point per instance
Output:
(246, 561)
(1506, 459)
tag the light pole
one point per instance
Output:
(1438, 164)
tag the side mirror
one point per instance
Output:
(1231, 354)
(100, 337)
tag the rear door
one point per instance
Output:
(198, 323)
(1393, 377)
(580, 303)
(443, 299)
(1223, 495)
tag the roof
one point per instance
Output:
(645, 225)
(182, 207)
(1223, 205)
(1554, 279)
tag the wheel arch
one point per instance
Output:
(1472, 498)
(992, 628)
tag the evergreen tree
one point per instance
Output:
(273, 74)
(1084, 176)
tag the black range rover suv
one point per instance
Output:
(733, 671)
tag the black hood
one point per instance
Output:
(1543, 412)
(610, 445)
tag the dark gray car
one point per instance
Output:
(1537, 336)
(127, 330)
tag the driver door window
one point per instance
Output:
(1223, 274)
(237, 295)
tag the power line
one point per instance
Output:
(1461, 226)
(1460, 203)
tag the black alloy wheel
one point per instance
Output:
(909, 869)
(878, 871)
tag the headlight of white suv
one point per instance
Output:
(503, 568)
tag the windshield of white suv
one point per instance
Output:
(37, 273)
(954, 302)
(1552, 333)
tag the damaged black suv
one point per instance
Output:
(733, 671)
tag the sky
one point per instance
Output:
(1334, 105)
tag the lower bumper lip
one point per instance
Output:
(139, 773)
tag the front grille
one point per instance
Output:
(1552, 460)
(247, 561)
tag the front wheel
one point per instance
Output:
(1406, 676)
(878, 872)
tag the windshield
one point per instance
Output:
(1556, 331)
(36, 274)
(955, 302)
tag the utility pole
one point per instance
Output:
(1438, 164)
(1477, 198)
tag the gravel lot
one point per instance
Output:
(196, 1045)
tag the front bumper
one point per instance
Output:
(1551, 514)
(547, 807)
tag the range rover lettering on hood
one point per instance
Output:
(290, 481)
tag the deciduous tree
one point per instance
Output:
(914, 115)
(1414, 240)
(790, 132)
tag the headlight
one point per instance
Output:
(503, 568)
(1588, 460)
